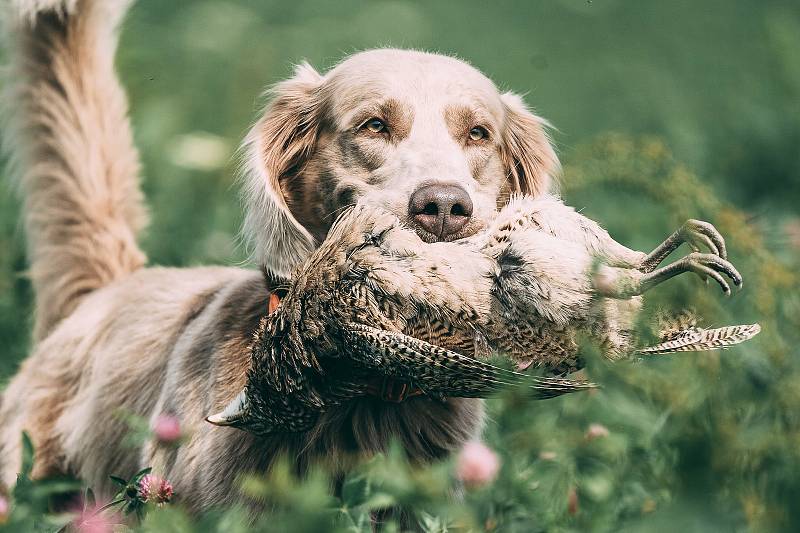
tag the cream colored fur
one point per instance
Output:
(70, 143)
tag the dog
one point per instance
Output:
(424, 136)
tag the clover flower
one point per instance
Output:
(596, 431)
(153, 489)
(167, 428)
(477, 464)
(4, 508)
(93, 520)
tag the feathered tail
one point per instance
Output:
(68, 137)
(697, 339)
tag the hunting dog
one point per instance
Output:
(424, 136)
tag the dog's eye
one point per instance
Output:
(478, 133)
(376, 125)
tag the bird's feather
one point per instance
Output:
(443, 371)
(699, 339)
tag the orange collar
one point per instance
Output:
(383, 387)
(391, 390)
(274, 302)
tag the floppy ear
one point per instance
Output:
(274, 153)
(527, 151)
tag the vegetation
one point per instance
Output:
(666, 111)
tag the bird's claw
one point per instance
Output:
(711, 266)
(698, 234)
(706, 266)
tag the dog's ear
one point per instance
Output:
(528, 154)
(274, 153)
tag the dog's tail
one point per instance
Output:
(70, 146)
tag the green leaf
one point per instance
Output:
(140, 474)
(27, 454)
(59, 521)
(119, 481)
(89, 499)
(355, 490)
(50, 487)
(139, 514)
(380, 500)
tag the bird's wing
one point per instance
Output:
(440, 371)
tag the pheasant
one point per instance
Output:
(375, 304)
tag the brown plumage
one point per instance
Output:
(376, 302)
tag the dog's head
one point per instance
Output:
(425, 136)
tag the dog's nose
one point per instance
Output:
(441, 210)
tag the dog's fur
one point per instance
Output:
(115, 339)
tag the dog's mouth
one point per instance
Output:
(470, 228)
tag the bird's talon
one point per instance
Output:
(695, 231)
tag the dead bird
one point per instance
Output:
(376, 311)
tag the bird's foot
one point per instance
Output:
(697, 234)
(704, 265)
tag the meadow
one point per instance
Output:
(663, 111)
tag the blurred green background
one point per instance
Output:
(663, 110)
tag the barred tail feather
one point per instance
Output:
(699, 339)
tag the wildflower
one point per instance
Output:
(154, 489)
(596, 431)
(92, 520)
(477, 464)
(572, 501)
(4, 508)
(167, 428)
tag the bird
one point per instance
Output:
(376, 311)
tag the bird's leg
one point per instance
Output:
(624, 283)
(693, 232)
